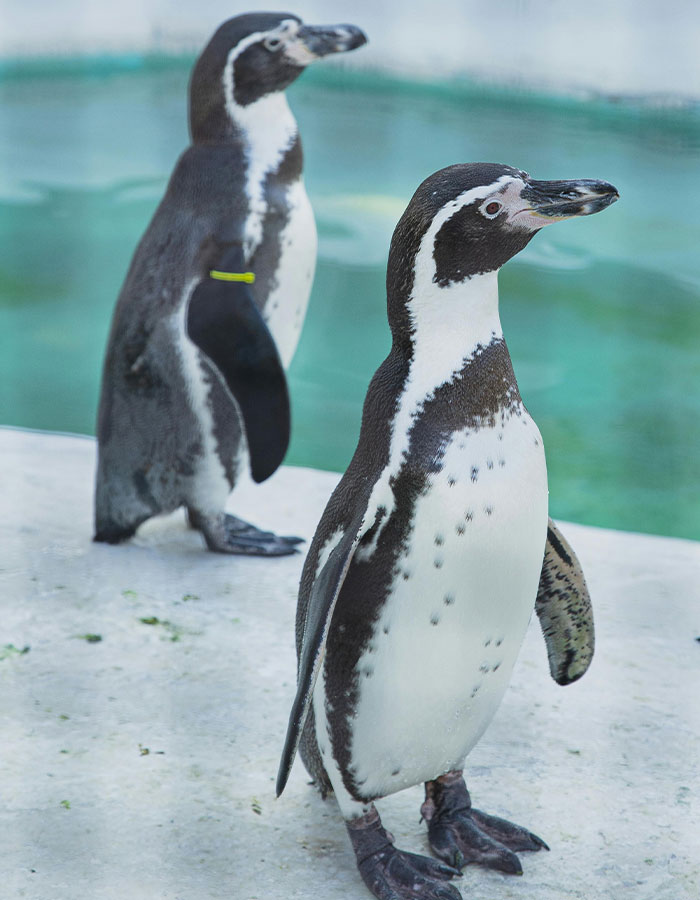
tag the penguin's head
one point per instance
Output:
(257, 54)
(469, 219)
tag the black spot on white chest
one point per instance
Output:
(473, 514)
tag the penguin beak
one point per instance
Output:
(322, 40)
(554, 201)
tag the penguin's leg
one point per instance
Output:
(205, 499)
(224, 533)
(389, 873)
(240, 528)
(460, 834)
(393, 874)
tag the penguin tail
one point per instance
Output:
(112, 533)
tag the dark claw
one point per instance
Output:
(228, 534)
(512, 836)
(255, 546)
(245, 548)
(461, 835)
(391, 874)
(433, 868)
(239, 528)
(460, 841)
(395, 875)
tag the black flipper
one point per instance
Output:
(324, 595)
(564, 609)
(223, 321)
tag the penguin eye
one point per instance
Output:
(272, 43)
(491, 209)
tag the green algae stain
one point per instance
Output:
(9, 651)
(172, 632)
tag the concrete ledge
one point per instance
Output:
(142, 765)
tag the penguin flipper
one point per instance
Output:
(225, 324)
(324, 594)
(564, 609)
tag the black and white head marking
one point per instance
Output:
(263, 53)
(254, 56)
(469, 219)
(264, 62)
(237, 93)
(462, 224)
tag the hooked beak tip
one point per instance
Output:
(565, 200)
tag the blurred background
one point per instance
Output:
(602, 315)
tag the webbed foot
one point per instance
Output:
(228, 534)
(460, 834)
(392, 874)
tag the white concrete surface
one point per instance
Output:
(142, 766)
(644, 47)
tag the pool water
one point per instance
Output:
(602, 314)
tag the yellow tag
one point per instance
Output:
(248, 277)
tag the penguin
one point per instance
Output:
(214, 300)
(436, 544)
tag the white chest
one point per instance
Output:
(269, 131)
(445, 643)
(287, 302)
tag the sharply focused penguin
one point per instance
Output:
(428, 560)
(214, 301)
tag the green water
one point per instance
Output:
(602, 315)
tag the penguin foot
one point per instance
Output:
(460, 834)
(393, 874)
(224, 533)
(245, 529)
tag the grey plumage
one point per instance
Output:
(181, 398)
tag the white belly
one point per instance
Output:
(286, 306)
(444, 647)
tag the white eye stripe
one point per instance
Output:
(276, 38)
(464, 199)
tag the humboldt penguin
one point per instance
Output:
(214, 300)
(436, 544)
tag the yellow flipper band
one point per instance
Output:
(248, 277)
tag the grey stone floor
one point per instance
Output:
(142, 766)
